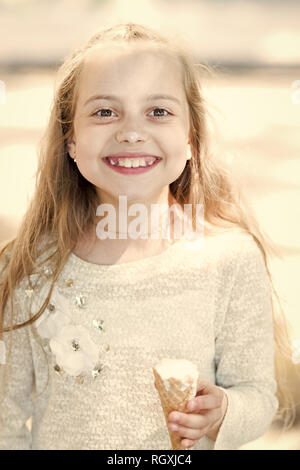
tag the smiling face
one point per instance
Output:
(132, 121)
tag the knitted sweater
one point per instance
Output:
(106, 326)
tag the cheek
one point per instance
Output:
(88, 157)
(88, 141)
(175, 166)
(177, 156)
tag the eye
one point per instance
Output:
(161, 109)
(103, 109)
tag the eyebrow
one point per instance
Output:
(149, 98)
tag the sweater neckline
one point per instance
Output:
(79, 263)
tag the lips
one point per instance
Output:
(154, 161)
(147, 159)
(116, 156)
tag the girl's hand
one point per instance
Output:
(210, 406)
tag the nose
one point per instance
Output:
(129, 136)
(130, 132)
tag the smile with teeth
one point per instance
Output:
(132, 162)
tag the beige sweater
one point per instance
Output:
(105, 328)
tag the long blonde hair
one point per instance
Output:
(64, 204)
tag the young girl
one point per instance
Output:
(89, 317)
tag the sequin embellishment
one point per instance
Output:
(98, 324)
(80, 301)
(57, 369)
(48, 271)
(96, 371)
(75, 345)
(29, 292)
(69, 282)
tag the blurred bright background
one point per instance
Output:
(254, 101)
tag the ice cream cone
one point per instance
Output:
(175, 388)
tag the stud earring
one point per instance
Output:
(74, 159)
(189, 154)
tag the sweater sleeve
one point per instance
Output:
(244, 355)
(16, 384)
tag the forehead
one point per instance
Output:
(130, 68)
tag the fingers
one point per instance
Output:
(208, 396)
(194, 421)
(192, 426)
(205, 402)
(187, 432)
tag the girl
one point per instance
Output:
(89, 317)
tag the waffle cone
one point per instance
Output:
(173, 399)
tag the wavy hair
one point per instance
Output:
(64, 203)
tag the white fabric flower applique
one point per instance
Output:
(75, 352)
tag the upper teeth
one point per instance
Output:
(131, 162)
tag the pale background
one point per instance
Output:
(254, 101)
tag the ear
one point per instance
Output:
(71, 146)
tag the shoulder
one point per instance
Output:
(246, 255)
(240, 260)
(227, 255)
(233, 246)
(243, 245)
(249, 267)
